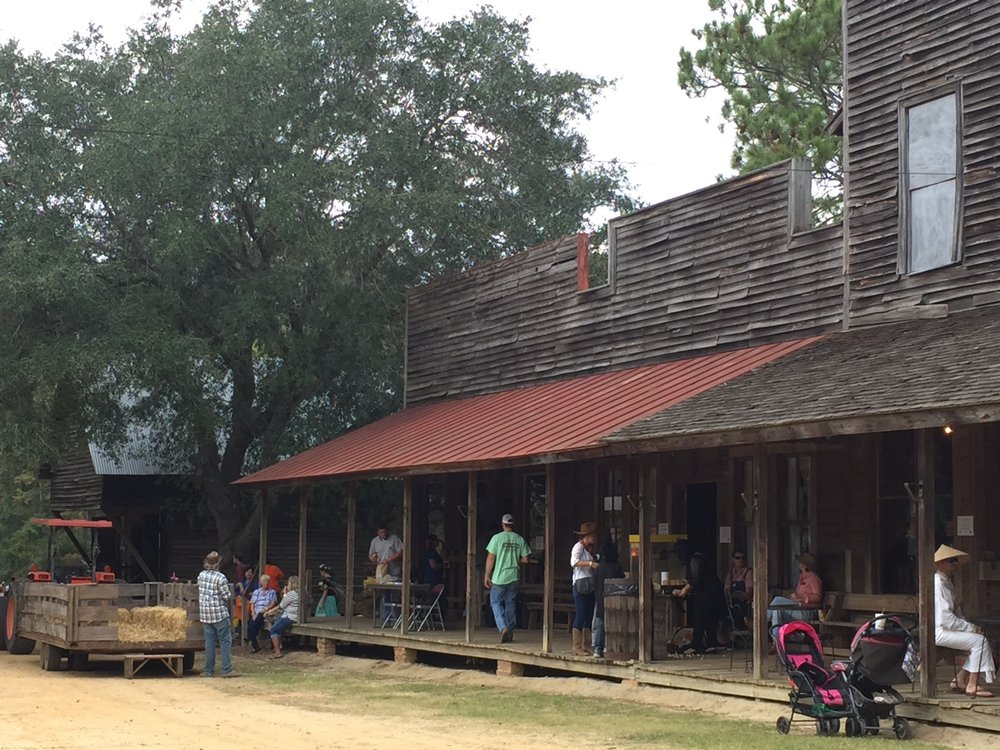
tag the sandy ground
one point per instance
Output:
(100, 710)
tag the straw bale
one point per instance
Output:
(152, 624)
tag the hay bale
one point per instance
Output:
(152, 624)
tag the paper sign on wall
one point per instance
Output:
(725, 534)
(538, 543)
(613, 502)
(663, 528)
(964, 526)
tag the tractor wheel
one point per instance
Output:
(188, 661)
(783, 725)
(15, 643)
(3, 623)
(51, 657)
(78, 661)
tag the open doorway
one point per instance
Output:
(702, 519)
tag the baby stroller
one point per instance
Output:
(818, 694)
(883, 654)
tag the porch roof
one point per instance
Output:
(921, 373)
(531, 423)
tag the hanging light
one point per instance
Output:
(948, 429)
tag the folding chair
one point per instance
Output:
(743, 636)
(428, 613)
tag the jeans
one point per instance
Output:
(218, 633)
(503, 601)
(584, 604)
(598, 636)
(254, 626)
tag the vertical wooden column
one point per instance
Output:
(550, 557)
(352, 513)
(645, 574)
(925, 561)
(761, 520)
(303, 540)
(407, 549)
(473, 596)
(262, 548)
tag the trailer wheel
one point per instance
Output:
(15, 643)
(188, 661)
(78, 660)
(51, 657)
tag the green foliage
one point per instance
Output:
(221, 225)
(24, 543)
(779, 64)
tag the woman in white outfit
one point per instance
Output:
(954, 631)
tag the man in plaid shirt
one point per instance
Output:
(214, 596)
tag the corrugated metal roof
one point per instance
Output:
(560, 417)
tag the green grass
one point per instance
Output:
(622, 724)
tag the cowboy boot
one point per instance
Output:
(587, 646)
(577, 642)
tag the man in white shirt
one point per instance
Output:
(386, 551)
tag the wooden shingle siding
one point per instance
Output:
(75, 486)
(715, 268)
(896, 51)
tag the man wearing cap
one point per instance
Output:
(505, 554)
(214, 597)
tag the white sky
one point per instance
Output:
(645, 122)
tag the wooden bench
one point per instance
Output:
(135, 662)
(562, 604)
(844, 613)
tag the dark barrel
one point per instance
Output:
(621, 619)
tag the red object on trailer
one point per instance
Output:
(68, 524)
(72, 523)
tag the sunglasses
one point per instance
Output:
(952, 561)
(739, 557)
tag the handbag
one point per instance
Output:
(584, 585)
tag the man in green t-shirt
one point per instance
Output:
(505, 554)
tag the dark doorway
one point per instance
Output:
(702, 518)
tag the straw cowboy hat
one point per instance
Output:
(586, 528)
(944, 552)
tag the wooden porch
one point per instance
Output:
(706, 674)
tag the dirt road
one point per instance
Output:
(100, 710)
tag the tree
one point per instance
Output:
(778, 63)
(212, 233)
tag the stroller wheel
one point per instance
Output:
(827, 727)
(783, 725)
(901, 727)
(852, 727)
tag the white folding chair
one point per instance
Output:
(428, 614)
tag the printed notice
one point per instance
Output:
(725, 534)
(964, 526)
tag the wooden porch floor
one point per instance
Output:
(707, 674)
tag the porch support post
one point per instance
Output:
(925, 561)
(761, 514)
(473, 595)
(352, 512)
(303, 538)
(550, 557)
(262, 549)
(407, 549)
(645, 566)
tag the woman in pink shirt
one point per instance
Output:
(808, 593)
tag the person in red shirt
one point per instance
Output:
(276, 574)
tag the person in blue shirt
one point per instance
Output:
(433, 562)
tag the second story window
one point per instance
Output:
(930, 189)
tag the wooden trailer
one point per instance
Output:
(72, 621)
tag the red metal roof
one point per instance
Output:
(560, 417)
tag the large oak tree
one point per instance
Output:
(212, 232)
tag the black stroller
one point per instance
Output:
(818, 694)
(883, 654)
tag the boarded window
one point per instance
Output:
(932, 153)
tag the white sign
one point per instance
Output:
(663, 528)
(538, 544)
(725, 534)
(613, 502)
(964, 526)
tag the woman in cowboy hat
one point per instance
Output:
(582, 561)
(954, 631)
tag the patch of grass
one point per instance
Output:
(620, 724)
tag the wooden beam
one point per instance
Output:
(645, 568)
(473, 586)
(352, 532)
(303, 540)
(548, 594)
(761, 503)
(926, 502)
(262, 549)
(407, 549)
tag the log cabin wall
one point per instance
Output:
(896, 53)
(721, 267)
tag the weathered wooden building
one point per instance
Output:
(743, 378)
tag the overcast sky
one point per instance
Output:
(646, 122)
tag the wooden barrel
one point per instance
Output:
(621, 626)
